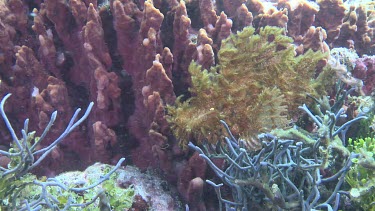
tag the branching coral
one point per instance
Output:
(258, 83)
(25, 155)
(284, 175)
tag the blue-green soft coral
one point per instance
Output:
(110, 193)
(21, 190)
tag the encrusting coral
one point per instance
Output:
(357, 30)
(256, 87)
(132, 57)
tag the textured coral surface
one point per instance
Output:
(132, 57)
(257, 85)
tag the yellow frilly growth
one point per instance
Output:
(258, 83)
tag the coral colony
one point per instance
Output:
(216, 105)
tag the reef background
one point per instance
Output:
(131, 59)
